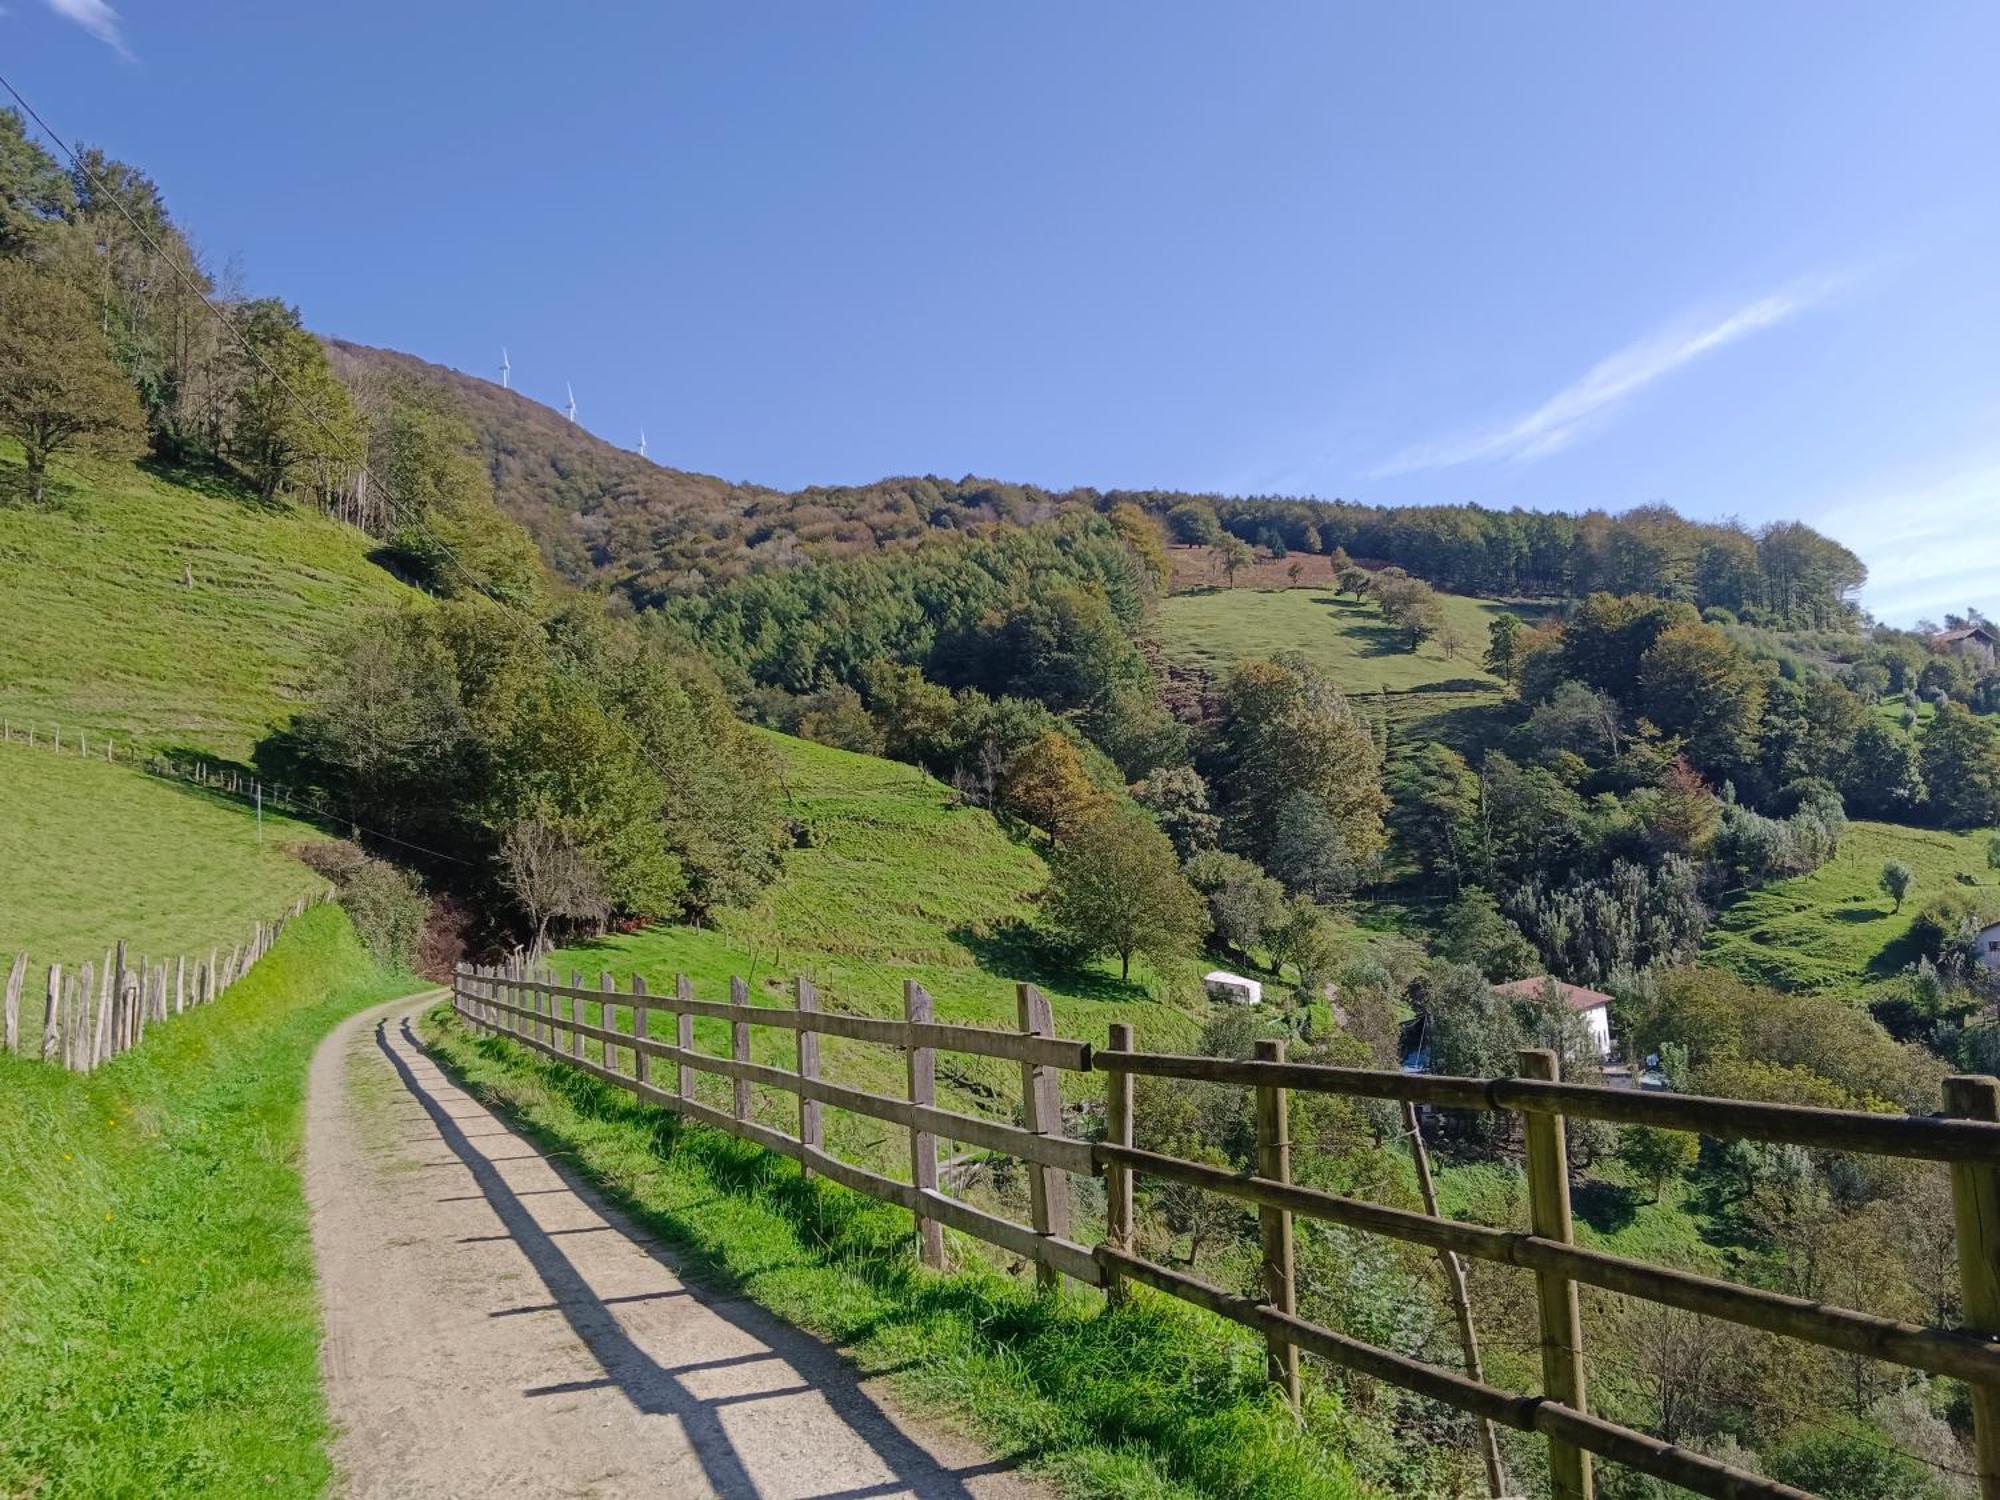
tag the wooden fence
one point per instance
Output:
(90, 1015)
(553, 1019)
(215, 777)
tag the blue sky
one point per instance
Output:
(1739, 258)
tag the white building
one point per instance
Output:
(1592, 1008)
(1987, 946)
(1232, 989)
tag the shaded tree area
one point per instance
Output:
(565, 769)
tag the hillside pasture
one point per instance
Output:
(1213, 628)
(1835, 928)
(102, 629)
(892, 879)
(93, 854)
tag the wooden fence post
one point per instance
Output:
(79, 1050)
(180, 984)
(918, 1010)
(1975, 1202)
(1041, 1113)
(10, 1023)
(100, 1037)
(1274, 1225)
(1555, 1295)
(607, 1013)
(576, 1014)
(739, 1043)
(810, 1129)
(683, 1036)
(1118, 1178)
(69, 1023)
(642, 1065)
(51, 1024)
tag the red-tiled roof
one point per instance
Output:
(1983, 631)
(1578, 997)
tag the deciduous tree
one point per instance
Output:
(60, 390)
(1116, 887)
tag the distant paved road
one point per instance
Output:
(494, 1328)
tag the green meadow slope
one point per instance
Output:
(1835, 928)
(1426, 694)
(891, 880)
(101, 632)
(100, 629)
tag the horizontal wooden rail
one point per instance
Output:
(477, 999)
(1692, 1471)
(1921, 1137)
(1054, 1151)
(1970, 1142)
(978, 1041)
(1937, 1351)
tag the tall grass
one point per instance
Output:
(159, 1327)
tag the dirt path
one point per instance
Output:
(494, 1328)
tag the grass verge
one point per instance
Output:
(159, 1325)
(1154, 1400)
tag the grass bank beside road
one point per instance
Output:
(159, 1326)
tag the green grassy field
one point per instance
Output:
(895, 881)
(1348, 637)
(1835, 928)
(157, 1301)
(98, 630)
(93, 854)
(1156, 1402)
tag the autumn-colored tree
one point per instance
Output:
(1141, 533)
(1695, 681)
(1687, 814)
(60, 390)
(1046, 786)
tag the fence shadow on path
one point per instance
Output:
(652, 1387)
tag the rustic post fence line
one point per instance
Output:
(511, 1003)
(213, 776)
(91, 1014)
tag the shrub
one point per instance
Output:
(388, 909)
(1851, 1465)
(387, 906)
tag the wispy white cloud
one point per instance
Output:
(1575, 409)
(1923, 534)
(97, 18)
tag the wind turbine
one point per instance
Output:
(642, 442)
(572, 400)
(505, 368)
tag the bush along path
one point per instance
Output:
(493, 1325)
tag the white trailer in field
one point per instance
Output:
(1232, 989)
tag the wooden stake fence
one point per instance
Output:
(525, 1009)
(91, 1015)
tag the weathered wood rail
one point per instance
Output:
(552, 1018)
